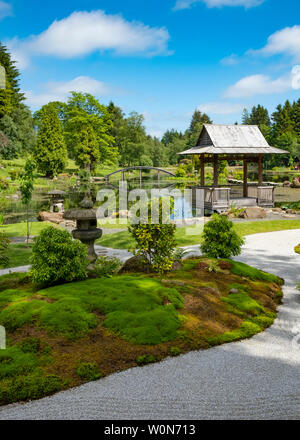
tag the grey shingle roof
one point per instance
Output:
(232, 139)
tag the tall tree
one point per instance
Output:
(88, 121)
(196, 125)
(50, 152)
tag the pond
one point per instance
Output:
(14, 211)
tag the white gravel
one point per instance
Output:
(252, 379)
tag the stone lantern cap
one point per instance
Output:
(80, 214)
(56, 192)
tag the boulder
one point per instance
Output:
(52, 217)
(253, 213)
(295, 183)
(233, 291)
(287, 183)
(136, 264)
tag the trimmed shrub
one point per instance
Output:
(56, 258)
(220, 239)
(297, 249)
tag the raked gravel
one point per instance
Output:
(257, 378)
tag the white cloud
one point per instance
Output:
(285, 41)
(186, 4)
(221, 108)
(83, 33)
(59, 91)
(261, 85)
(5, 10)
(231, 60)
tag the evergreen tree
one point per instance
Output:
(50, 152)
(12, 75)
(196, 125)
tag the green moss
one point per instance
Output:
(145, 359)
(27, 387)
(88, 371)
(246, 330)
(244, 303)
(14, 362)
(243, 270)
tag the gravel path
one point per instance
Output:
(257, 378)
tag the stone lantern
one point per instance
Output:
(57, 203)
(86, 226)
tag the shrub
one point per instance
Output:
(220, 239)
(106, 267)
(175, 351)
(180, 172)
(155, 243)
(88, 371)
(297, 249)
(56, 258)
(13, 174)
(145, 359)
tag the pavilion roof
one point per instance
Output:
(232, 139)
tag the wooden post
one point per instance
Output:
(123, 176)
(245, 191)
(260, 170)
(141, 178)
(202, 170)
(216, 166)
(158, 178)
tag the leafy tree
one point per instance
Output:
(26, 188)
(50, 152)
(87, 131)
(12, 76)
(220, 240)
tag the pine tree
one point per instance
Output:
(12, 75)
(196, 125)
(50, 152)
(259, 116)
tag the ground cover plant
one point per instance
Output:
(61, 336)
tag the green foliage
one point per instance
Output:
(244, 303)
(87, 131)
(88, 371)
(297, 249)
(220, 240)
(56, 258)
(106, 267)
(156, 244)
(145, 359)
(175, 351)
(29, 387)
(243, 270)
(4, 243)
(180, 172)
(50, 152)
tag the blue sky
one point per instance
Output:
(162, 58)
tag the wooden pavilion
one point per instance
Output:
(233, 142)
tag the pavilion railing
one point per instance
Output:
(263, 194)
(216, 198)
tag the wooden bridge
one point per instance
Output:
(141, 169)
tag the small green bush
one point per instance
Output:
(220, 240)
(297, 249)
(145, 359)
(56, 258)
(180, 172)
(88, 371)
(175, 351)
(106, 267)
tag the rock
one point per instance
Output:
(233, 291)
(288, 216)
(292, 211)
(287, 183)
(295, 183)
(253, 213)
(52, 217)
(279, 210)
(136, 264)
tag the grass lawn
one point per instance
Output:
(122, 240)
(19, 255)
(70, 334)
(20, 229)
